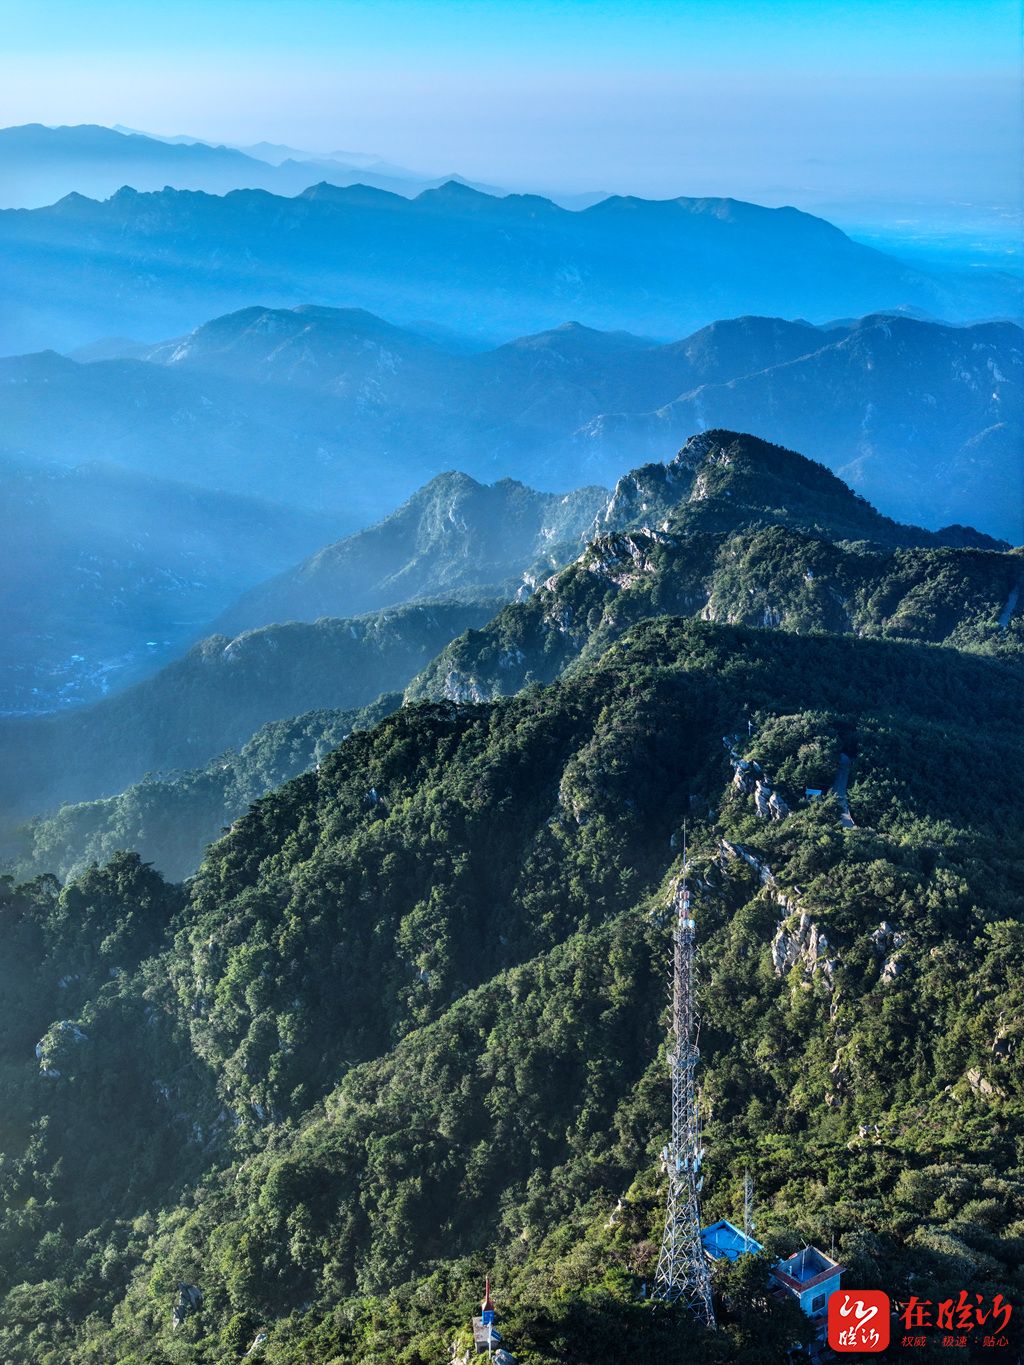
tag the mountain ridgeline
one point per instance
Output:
(39, 165)
(217, 696)
(452, 537)
(157, 264)
(923, 418)
(736, 530)
(374, 674)
(169, 820)
(459, 546)
(732, 530)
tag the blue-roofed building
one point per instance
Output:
(724, 1241)
(811, 1278)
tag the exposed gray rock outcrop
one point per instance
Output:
(798, 938)
(980, 1085)
(189, 1301)
(894, 967)
(802, 941)
(624, 557)
(646, 493)
(459, 687)
(887, 936)
(54, 1042)
(749, 779)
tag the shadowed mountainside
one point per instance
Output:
(297, 404)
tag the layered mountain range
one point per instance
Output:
(39, 165)
(294, 405)
(732, 530)
(149, 264)
(337, 884)
(459, 546)
(169, 820)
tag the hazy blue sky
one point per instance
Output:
(814, 102)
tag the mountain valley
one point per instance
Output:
(107, 573)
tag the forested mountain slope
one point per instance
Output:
(732, 530)
(216, 697)
(736, 530)
(169, 820)
(407, 1022)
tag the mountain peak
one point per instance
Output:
(357, 195)
(454, 189)
(452, 536)
(722, 480)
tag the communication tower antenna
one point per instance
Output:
(683, 1273)
(748, 1209)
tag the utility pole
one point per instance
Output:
(682, 1272)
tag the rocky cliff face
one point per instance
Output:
(454, 537)
(741, 532)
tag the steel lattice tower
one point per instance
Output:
(682, 1273)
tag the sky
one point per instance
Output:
(869, 106)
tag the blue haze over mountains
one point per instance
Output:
(418, 566)
(39, 165)
(468, 592)
(293, 405)
(159, 263)
(318, 332)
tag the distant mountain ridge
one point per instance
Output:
(445, 561)
(923, 418)
(40, 165)
(913, 415)
(143, 263)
